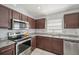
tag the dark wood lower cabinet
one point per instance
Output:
(57, 45)
(54, 45)
(43, 43)
(33, 43)
(8, 50)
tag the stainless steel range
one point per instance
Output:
(22, 43)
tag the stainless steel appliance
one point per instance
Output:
(19, 24)
(22, 43)
(71, 47)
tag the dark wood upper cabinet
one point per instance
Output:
(40, 23)
(5, 17)
(24, 18)
(54, 45)
(16, 15)
(7, 14)
(31, 22)
(71, 20)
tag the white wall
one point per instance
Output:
(3, 32)
(60, 15)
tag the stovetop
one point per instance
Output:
(21, 39)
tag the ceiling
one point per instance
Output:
(41, 10)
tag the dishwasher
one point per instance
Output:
(71, 47)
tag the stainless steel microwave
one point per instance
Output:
(19, 24)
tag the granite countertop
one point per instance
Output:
(69, 37)
(4, 43)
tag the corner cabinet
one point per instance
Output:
(8, 50)
(31, 22)
(5, 17)
(40, 23)
(24, 18)
(71, 20)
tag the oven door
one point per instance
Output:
(23, 45)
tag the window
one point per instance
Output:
(54, 25)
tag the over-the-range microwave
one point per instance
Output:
(19, 24)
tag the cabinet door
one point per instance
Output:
(8, 50)
(4, 17)
(54, 45)
(47, 43)
(40, 23)
(24, 18)
(33, 43)
(16, 15)
(36, 24)
(57, 45)
(10, 18)
(43, 43)
(71, 20)
(40, 42)
(31, 23)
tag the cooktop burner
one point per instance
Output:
(21, 39)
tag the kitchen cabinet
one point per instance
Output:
(54, 45)
(8, 50)
(16, 15)
(33, 43)
(5, 17)
(43, 43)
(71, 20)
(57, 45)
(40, 23)
(31, 22)
(7, 14)
(24, 18)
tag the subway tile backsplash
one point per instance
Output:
(71, 31)
(3, 32)
(64, 31)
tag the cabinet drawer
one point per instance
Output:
(4, 49)
(8, 52)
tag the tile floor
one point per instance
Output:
(38, 51)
